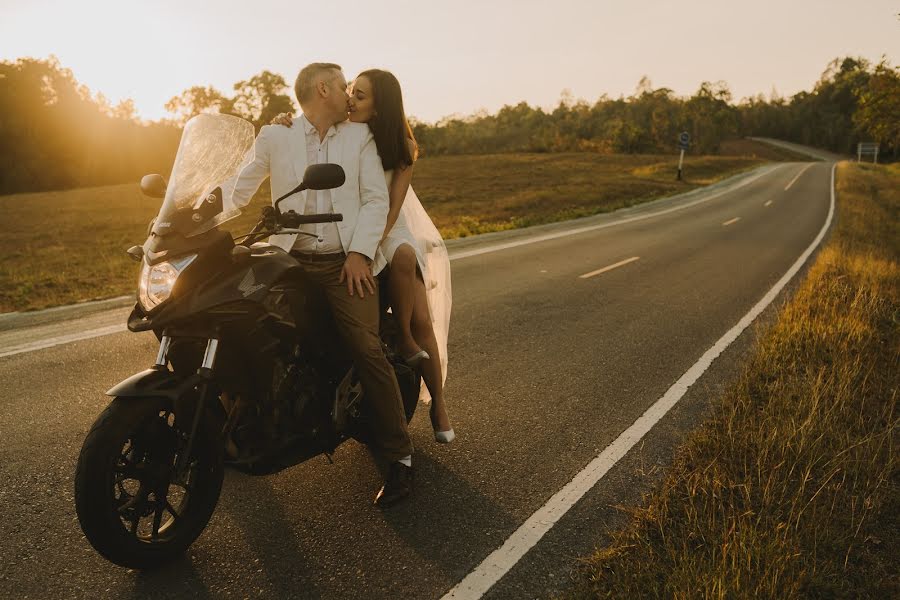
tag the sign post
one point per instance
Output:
(684, 140)
(867, 148)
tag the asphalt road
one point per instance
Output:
(546, 369)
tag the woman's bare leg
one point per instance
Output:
(423, 331)
(401, 280)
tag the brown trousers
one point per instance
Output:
(357, 323)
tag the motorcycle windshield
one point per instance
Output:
(214, 149)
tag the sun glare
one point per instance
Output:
(150, 52)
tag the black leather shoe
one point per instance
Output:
(397, 485)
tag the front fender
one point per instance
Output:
(166, 384)
(155, 382)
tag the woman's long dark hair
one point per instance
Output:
(389, 124)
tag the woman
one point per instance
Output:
(411, 243)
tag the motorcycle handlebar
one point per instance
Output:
(272, 223)
(292, 219)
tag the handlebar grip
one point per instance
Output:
(292, 219)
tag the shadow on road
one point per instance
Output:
(263, 529)
(442, 507)
(181, 573)
(266, 540)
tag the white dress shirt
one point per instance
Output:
(328, 238)
(279, 153)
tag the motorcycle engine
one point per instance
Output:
(297, 396)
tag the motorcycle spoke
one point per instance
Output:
(128, 449)
(127, 472)
(157, 520)
(126, 468)
(171, 509)
(127, 505)
(135, 520)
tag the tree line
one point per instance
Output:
(853, 101)
(55, 134)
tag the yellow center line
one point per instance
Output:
(734, 220)
(767, 203)
(797, 176)
(609, 268)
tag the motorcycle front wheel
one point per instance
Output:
(133, 507)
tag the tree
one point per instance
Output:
(878, 113)
(196, 100)
(710, 117)
(125, 110)
(58, 136)
(261, 98)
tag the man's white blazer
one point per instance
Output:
(280, 154)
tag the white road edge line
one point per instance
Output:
(53, 309)
(63, 339)
(768, 202)
(568, 232)
(731, 221)
(797, 176)
(550, 236)
(499, 562)
(610, 267)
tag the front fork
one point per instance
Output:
(205, 372)
(209, 357)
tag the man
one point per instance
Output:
(343, 257)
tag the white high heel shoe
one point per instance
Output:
(444, 437)
(416, 359)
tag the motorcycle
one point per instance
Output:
(249, 374)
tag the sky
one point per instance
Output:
(456, 57)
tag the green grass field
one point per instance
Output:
(68, 246)
(792, 488)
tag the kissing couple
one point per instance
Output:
(364, 129)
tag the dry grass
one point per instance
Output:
(467, 195)
(746, 147)
(60, 247)
(64, 247)
(791, 489)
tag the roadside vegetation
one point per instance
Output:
(792, 487)
(69, 246)
(57, 134)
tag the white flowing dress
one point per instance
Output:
(414, 227)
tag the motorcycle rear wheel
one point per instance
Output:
(132, 507)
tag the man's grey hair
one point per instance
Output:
(305, 86)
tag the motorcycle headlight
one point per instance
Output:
(157, 281)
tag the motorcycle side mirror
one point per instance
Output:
(136, 253)
(317, 177)
(153, 186)
(323, 177)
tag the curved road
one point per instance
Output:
(559, 341)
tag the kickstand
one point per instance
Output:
(328, 455)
